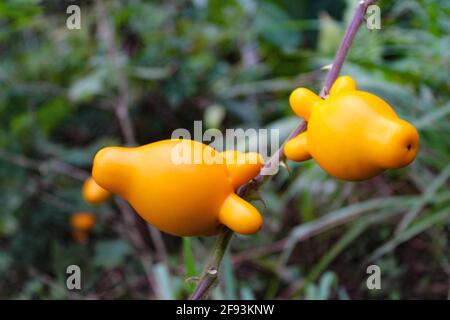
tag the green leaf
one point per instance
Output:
(247, 293)
(85, 88)
(214, 116)
(5, 262)
(189, 262)
(162, 278)
(21, 124)
(321, 291)
(427, 222)
(50, 115)
(228, 277)
(432, 117)
(189, 259)
(269, 17)
(111, 253)
(326, 284)
(330, 35)
(352, 233)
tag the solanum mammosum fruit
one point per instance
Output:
(181, 186)
(82, 223)
(93, 193)
(352, 134)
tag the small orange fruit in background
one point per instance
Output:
(93, 193)
(82, 223)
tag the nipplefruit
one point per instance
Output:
(352, 134)
(82, 223)
(182, 187)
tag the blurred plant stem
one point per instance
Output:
(43, 167)
(211, 272)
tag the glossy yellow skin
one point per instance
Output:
(185, 198)
(352, 134)
(93, 193)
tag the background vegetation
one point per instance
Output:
(230, 64)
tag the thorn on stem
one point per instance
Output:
(212, 272)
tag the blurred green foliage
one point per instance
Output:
(231, 64)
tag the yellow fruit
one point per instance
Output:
(182, 187)
(93, 193)
(352, 134)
